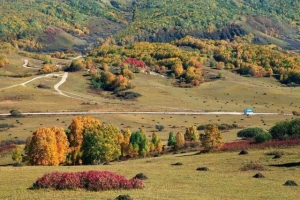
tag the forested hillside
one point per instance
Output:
(36, 23)
(164, 20)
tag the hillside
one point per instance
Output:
(270, 21)
(28, 22)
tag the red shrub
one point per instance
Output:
(249, 144)
(135, 62)
(91, 180)
(7, 147)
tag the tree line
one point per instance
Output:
(87, 141)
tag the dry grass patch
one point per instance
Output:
(253, 165)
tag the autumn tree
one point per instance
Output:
(3, 60)
(172, 139)
(179, 140)
(16, 154)
(47, 146)
(124, 141)
(49, 68)
(100, 144)
(139, 143)
(75, 136)
(127, 73)
(212, 138)
(76, 65)
(156, 144)
(191, 134)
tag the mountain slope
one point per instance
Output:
(270, 21)
(164, 20)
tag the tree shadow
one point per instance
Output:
(292, 164)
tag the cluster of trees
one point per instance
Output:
(161, 57)
(3, 60)
(280, 131)
(49, 68)
(86, 141)
(211, 139)
(248, 59)
(108, 81)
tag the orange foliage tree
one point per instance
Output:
(124, 141)
(3, 60)
(47, 146)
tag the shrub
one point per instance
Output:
(286, 130)
(249, 144)
(159, 127)
(262, 137)
(250, 133)
(253, 166)
(128, 95)
(12, 142)
(294, 128)
(280, 130)
(90, 180)
(15, 113)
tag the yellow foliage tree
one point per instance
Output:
(75, 135)
(47, 146)
(121, 81)
(16, 154)
(3, 60)
(156, 144)
(212, 138)
(191, 134)
(100, 144)
(179, 140)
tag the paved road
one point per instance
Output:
(147, 113)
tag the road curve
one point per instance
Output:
(141, 112)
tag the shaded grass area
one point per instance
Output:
(224, 180)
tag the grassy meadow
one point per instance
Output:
(225, 180)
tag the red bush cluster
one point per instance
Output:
(250, 144)
(7, 147)
(90, 180)
(135, 62)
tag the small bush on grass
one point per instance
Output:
(128, 95)
(90, 180)
(262, 137)
(249, 133)
(159, 127)
(253, 165)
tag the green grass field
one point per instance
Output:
(225, 180)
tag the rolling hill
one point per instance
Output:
(272, 21)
